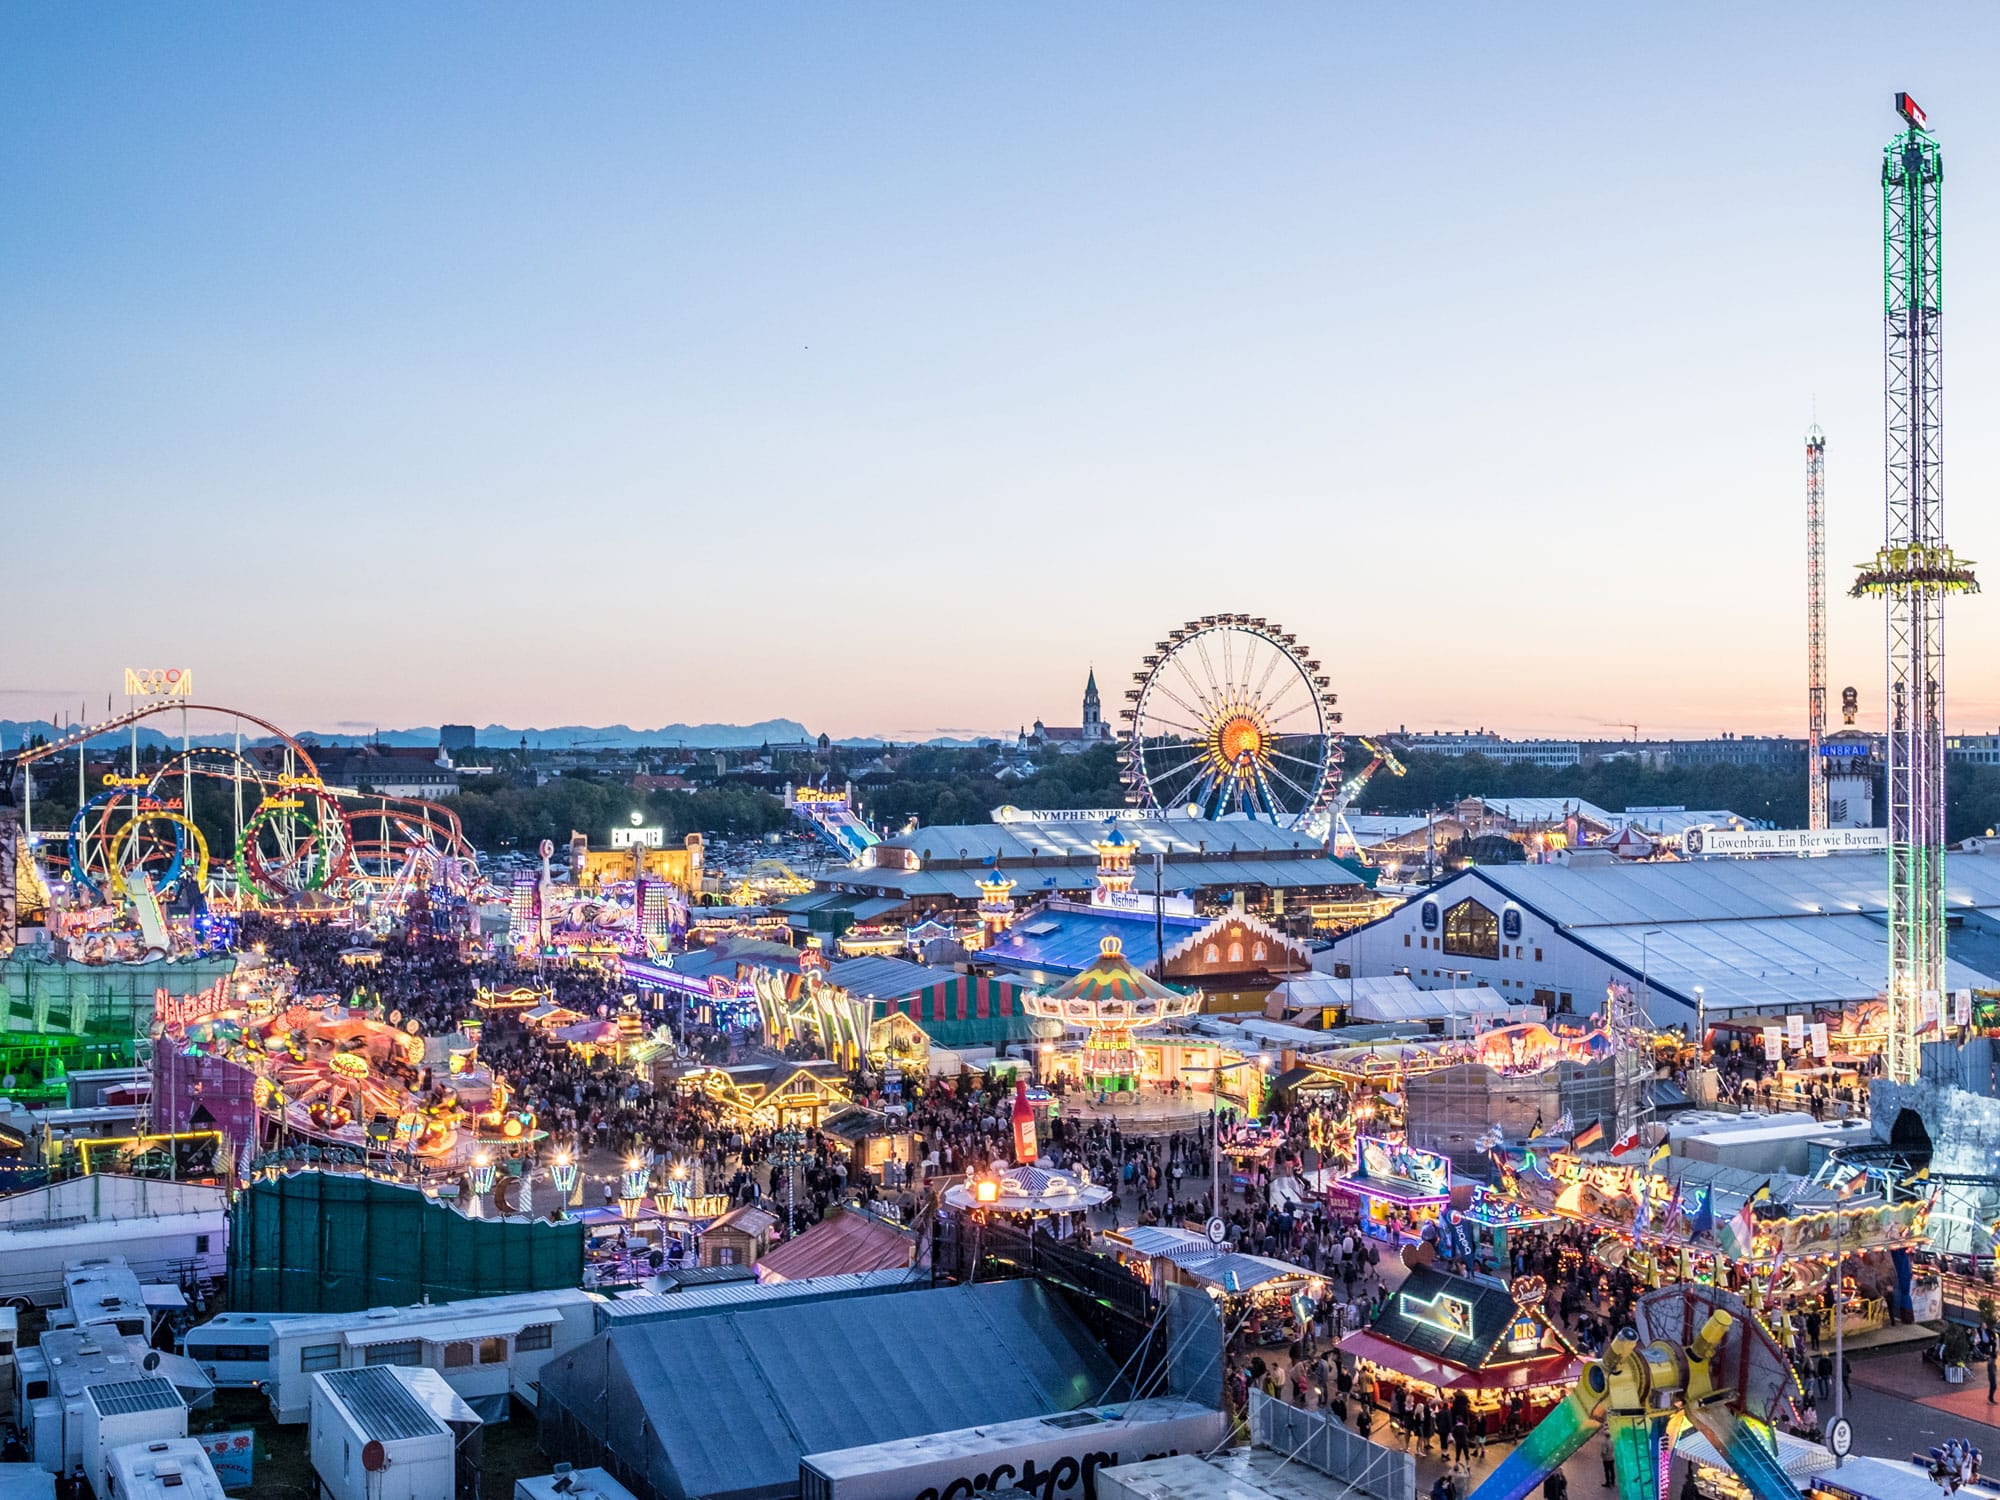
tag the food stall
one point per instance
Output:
(1442, 1334)
(1803, 1462)
(1268, 1300)
(1396, 1188)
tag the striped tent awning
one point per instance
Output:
(967, 1010)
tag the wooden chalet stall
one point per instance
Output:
(1441, 1334)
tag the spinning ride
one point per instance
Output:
(1230, 715)
(1110, 1000)
(1699, 1356)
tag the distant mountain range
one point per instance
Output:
(14, 732)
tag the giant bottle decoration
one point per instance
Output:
(1024, 1125)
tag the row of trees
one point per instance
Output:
(940, 785)
(501, 815)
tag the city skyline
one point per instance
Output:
(886, 374)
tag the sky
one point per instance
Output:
(886, 367)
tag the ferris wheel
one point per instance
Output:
(1230, 715)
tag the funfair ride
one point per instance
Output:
(1699, 1356)
(1914, 573)
(1230, 716)
(135, 846)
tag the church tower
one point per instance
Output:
(1093, 718)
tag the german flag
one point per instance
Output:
(1589, 1136)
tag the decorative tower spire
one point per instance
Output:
(996, 911)
(1093, 715)
(1114, 861)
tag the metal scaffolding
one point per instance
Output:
(1914, 573)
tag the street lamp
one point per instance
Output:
(1215, 1134)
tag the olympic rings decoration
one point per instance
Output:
(79, 859)
(323, 816)
(181, 840)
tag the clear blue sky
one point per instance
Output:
(883, 366)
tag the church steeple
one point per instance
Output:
(1093, 719)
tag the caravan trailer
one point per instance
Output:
(238, 1351)
(165, 1469)
(489, 1349)
(165, 1231)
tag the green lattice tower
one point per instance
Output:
(1914, 573)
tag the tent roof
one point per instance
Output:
(844, 1242)
(810, 1377)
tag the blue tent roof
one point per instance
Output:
(724, 1407)
(1063, 939)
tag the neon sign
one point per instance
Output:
(175, 1011)
(1452, 1314)
(1524, 1336)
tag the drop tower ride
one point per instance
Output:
(1914, 573)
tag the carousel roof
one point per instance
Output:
(1029, 1189)
(1113, 978)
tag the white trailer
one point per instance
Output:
(1052, 1456)
(238, 1351)
(567, 1483)
(145, 1410)
(490, 1350)
(165, 1231)
(165, 1469)
(378, 1433)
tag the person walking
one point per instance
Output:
(1992, 1351)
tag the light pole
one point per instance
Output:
(1215, 1134)
(1842, 1439)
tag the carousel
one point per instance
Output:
(1109, 1001)
(1027, 1193)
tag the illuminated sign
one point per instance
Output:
(1524, 1336)
(1907, 108)
(112, 778)
(159, 682)
(1012, 814)
(1452, 1314)
(814, 794)
(649, 837)
(1427, 1171)
(175, 1011)
(1742, 841)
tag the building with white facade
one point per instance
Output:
(1756, 937)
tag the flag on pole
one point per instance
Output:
(1850, 1184)
(1642, 1214)
(1735, 1233)
(1629, 1142)
(1589, 1136)
(1704, 1214)
(1660, 1153)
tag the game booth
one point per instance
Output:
(1395, 1188)
(1442, 1334)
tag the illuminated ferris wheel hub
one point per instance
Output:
(1230, 716)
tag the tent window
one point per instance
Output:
(457, 1356)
